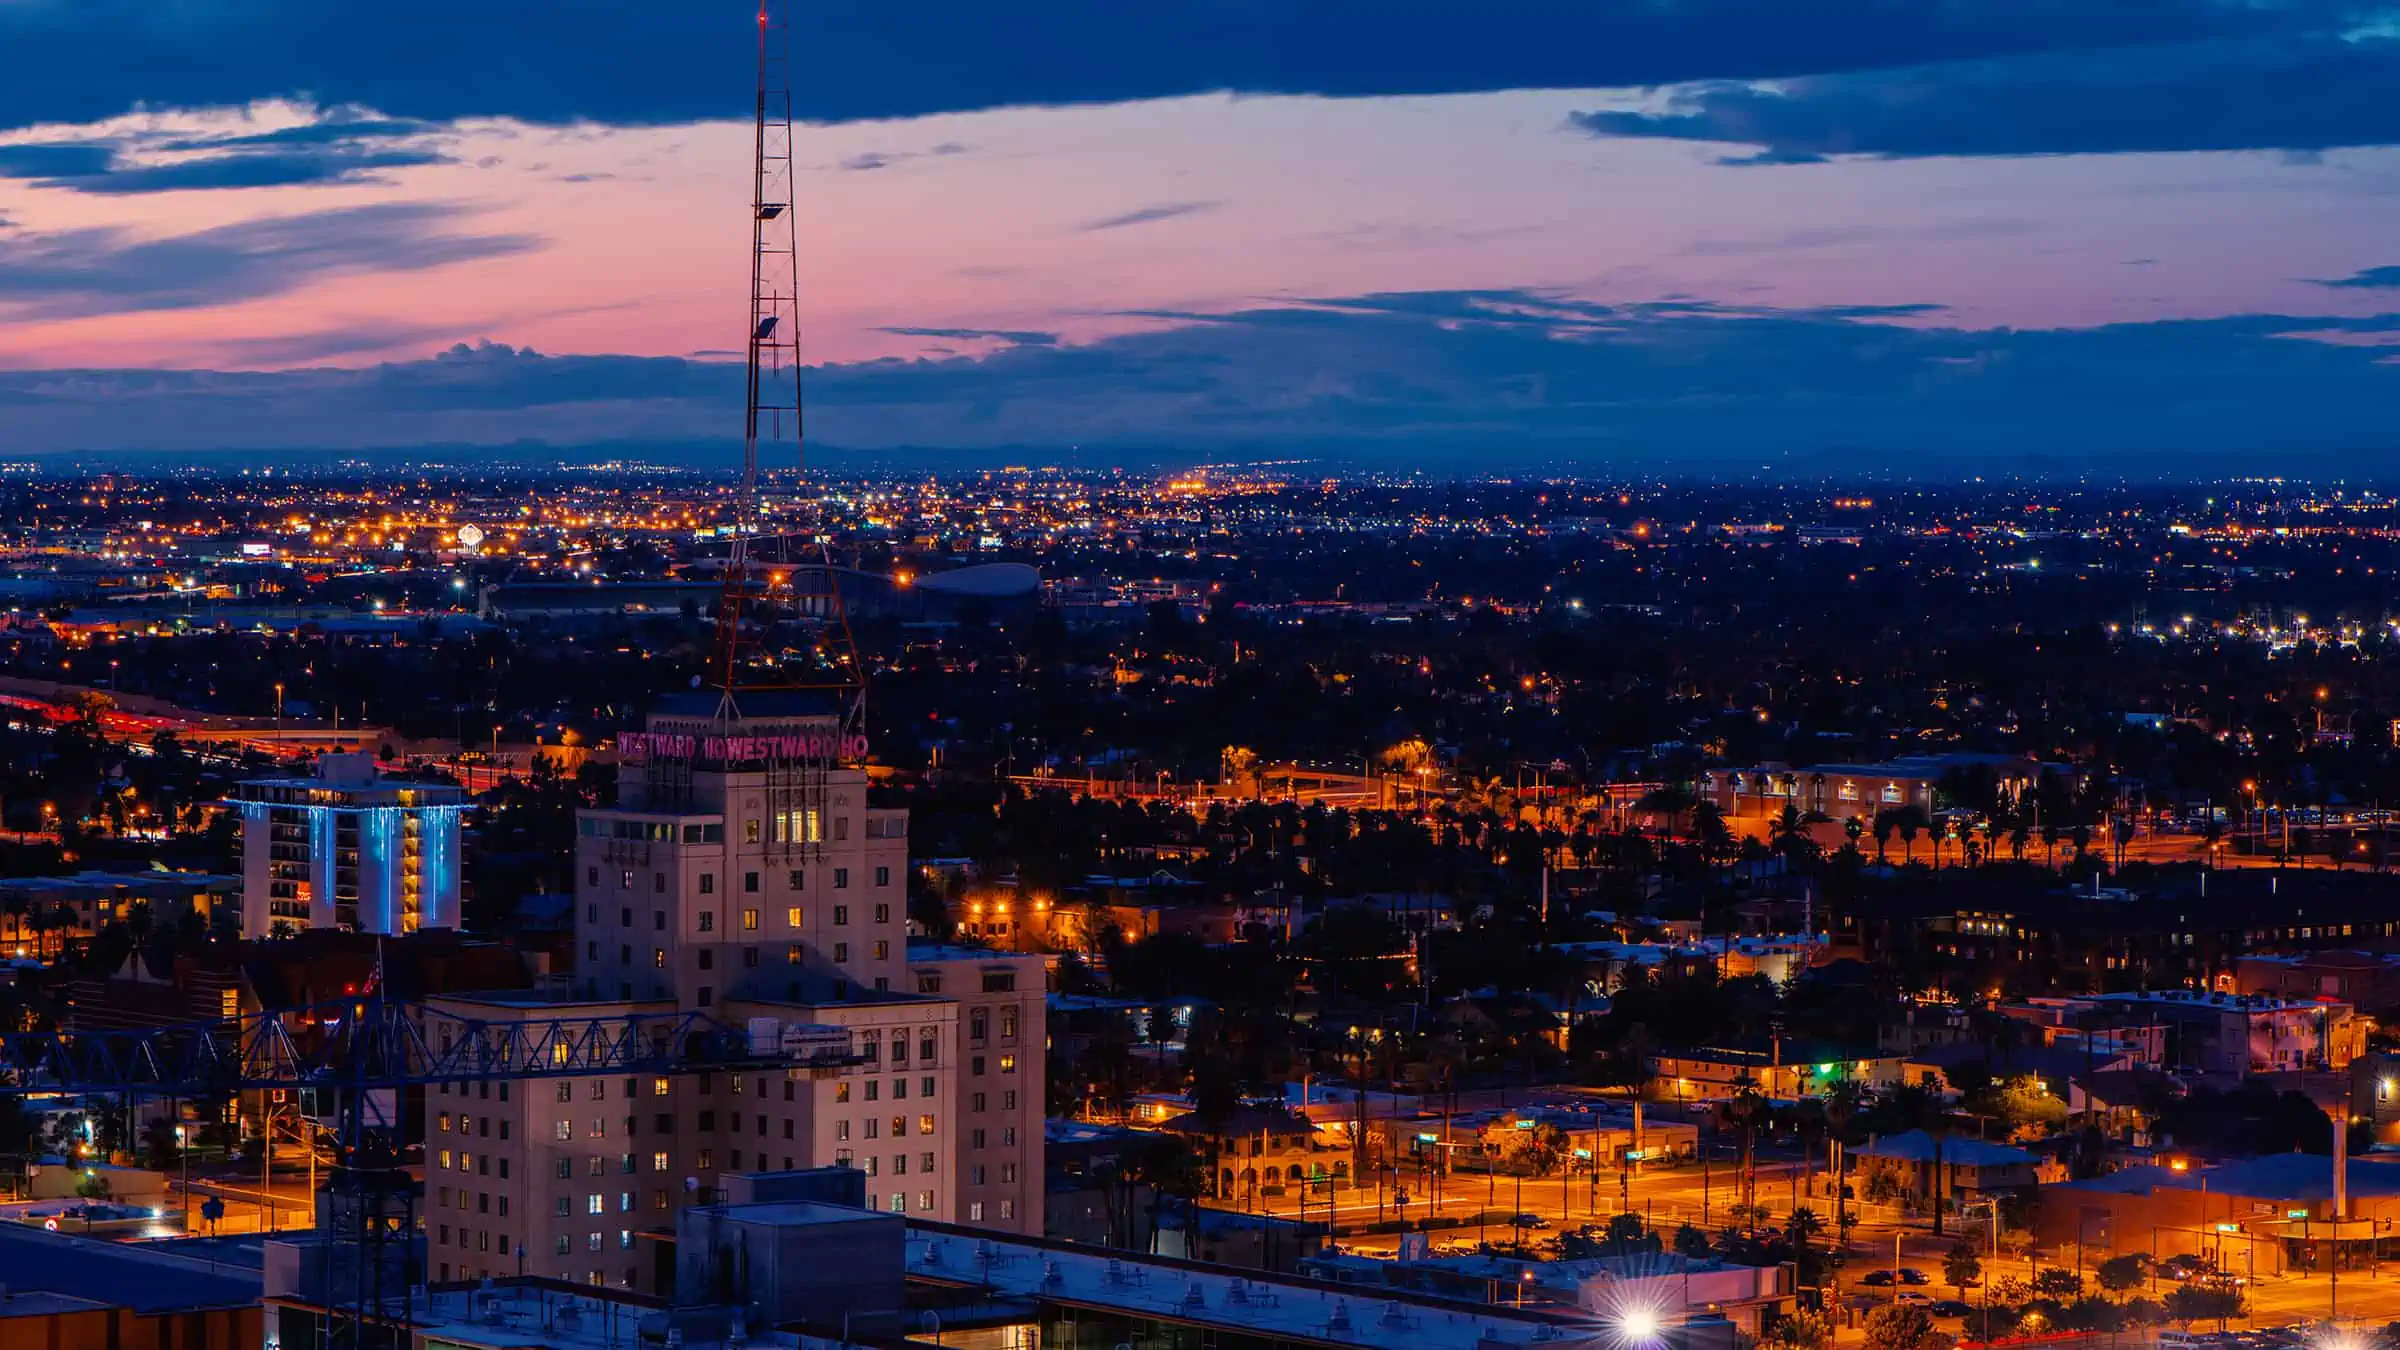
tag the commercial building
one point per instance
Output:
(1840, 791)
(2224, 1037)
(348, 847)
(2256, 1217)
(61, 1292)
(37, 913)
(743, 877)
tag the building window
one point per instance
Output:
(883, 914)
(883, 876)
(974, 1211)
(1008, 1064)
(595, 1204)
(925, 1123)
(883, 951)
(841, 916)
(749, 831)
(1008, 1209)
(750, 883)
(658, 958)
(791, 916)
(841, 952)
(750, 919)
(791, 954)
(708, 921)
(899, 1202)
(841, 878)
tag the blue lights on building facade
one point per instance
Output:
(349, 848)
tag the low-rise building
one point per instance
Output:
(1958, 1171)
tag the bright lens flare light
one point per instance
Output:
(1637, 1326)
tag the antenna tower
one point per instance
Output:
(808, 585)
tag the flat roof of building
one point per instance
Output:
(118, 1275)
(535, 998)
(796, 1213)
(925, 949)
(1224, 1297)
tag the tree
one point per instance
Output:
(1962, 1265)
(2119, 1274)
(2200, 1300)
(2058, 1284)
(1692, 1243)
(1904, 1326)
(1802, 1330)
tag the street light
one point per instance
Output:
(185, 1153)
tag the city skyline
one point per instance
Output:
(1717, 231)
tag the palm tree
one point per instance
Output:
(1843, 1103)
(1742, 1111)
(1919, 1106)
(1910, 819)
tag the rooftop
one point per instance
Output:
(118, 1275)
(1217, 1296)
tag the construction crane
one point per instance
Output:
(364, 1052)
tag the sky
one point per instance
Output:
(1787, 232)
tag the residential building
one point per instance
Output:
(996, 1163)
(745, 878)
(348, 847)
(1958, 1170)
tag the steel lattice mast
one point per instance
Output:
(773, 404)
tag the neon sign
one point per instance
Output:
(642, 745)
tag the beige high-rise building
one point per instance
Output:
(740, 879)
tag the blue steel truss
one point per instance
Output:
(368, 1043)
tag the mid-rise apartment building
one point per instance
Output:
(743, 877)
(348, 847)
(996, 1150)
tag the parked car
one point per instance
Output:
(1528, 1221)
(1878, 1278)
(1951, 1307)
(1912, 1296)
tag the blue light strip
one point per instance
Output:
(437, 861)
(379, 866)
(320, 862)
